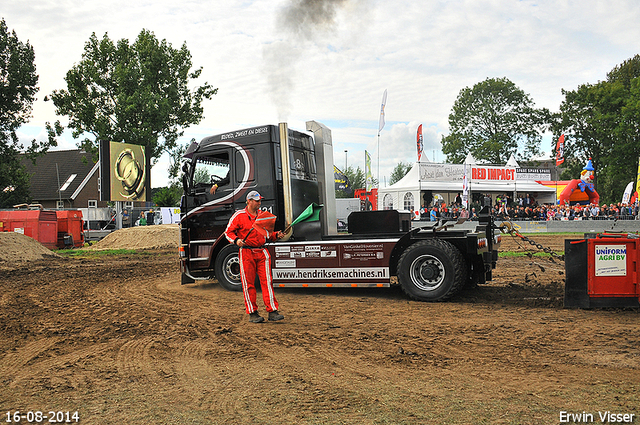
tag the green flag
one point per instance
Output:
(311, 213)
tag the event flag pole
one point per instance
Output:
(559, 159)
(420, 147)
(378, 149)
(638, 184)
(367, 171)
(465, 188)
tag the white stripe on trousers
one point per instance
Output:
(243, 278)
(267, 270)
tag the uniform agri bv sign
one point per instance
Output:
(611, 260)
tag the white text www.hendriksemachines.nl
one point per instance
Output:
(328, 274)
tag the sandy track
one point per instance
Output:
(118, 339)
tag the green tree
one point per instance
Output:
(356, 177)
(176, 160)
(138, 93)
(626, 148)
(625, 72)
(18, 88)
(588, 120)
(399, 172)
(357, 180)
(602, 122)
(168, 196)
(493, 120)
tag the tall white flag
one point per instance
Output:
(384, 102)
(628, 191)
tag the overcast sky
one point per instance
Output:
(274, 60)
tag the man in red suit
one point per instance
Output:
(254, 258)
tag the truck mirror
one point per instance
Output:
(185, 183)
(185, 177)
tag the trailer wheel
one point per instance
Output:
(432, 270)
(227, 268)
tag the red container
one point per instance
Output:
(602, 271)
(70, 228)
(368, 200)
(41, 225)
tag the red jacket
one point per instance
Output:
(238, 228)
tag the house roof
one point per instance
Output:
(66, 170)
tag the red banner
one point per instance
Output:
(560, 151)
(420, 142)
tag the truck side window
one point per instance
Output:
(240, 167)
(299, 166)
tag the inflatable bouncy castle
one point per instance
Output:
(587, 193)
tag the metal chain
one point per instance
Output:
(507, 227)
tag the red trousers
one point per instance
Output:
(256, 261)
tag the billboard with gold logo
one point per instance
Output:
(124, 172)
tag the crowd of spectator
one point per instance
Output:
(612, 211)
(526, 208)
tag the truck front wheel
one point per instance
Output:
(431, 270)
(227, 268)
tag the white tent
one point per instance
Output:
(410, 179)
(447, 179)
(470, 159)
(406, 189)
(512, 162)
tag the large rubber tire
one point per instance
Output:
(227, 268)
(432, 270)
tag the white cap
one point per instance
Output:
(254, 195)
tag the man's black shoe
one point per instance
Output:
(256, 318)
(274, 315)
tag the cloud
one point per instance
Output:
(330, 61)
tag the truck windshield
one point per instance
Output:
(211, 169)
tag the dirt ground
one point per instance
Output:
(119, 340)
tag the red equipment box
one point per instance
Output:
(41, 225)
(602, 271)
(70, 229)
(368, 200)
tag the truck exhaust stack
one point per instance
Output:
(324, 160)
(286, 171)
